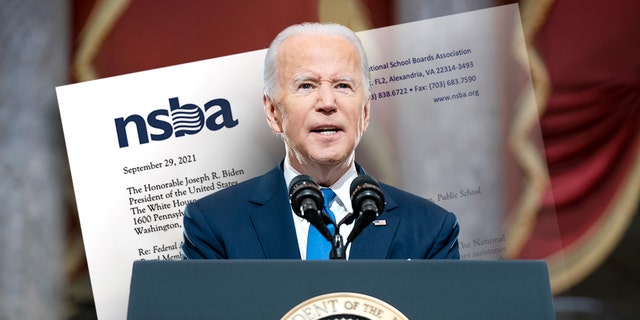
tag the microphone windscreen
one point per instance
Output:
(365, 187)
(301, 188)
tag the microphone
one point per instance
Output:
(305, 197)
(367, 201)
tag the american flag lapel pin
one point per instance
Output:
(380, 222)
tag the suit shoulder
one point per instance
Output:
(407, 201)
(240, 190)
(260, 188)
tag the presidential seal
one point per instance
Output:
(344, 306)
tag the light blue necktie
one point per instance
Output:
(318, 248)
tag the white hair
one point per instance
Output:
(270, 88)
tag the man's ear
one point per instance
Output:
(365, 115)
(271, 111)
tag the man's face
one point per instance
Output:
(321, 107)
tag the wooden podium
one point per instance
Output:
(269, 289)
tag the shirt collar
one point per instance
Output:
(341, 187)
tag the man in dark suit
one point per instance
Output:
(316, 97)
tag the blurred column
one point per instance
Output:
(33, 60)
(414, 10)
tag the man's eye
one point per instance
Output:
(305, 86)
(343, 86)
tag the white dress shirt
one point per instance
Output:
(340, 206)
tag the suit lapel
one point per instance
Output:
(375, 240)
(273, 222)
(273, 219)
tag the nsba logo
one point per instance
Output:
(177, 121)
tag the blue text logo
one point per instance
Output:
(178, 121)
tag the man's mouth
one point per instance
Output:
(326, 130)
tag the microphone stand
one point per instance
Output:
(338, 249)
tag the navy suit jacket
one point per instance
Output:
(253, 220)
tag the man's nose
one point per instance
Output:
(326, 97)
